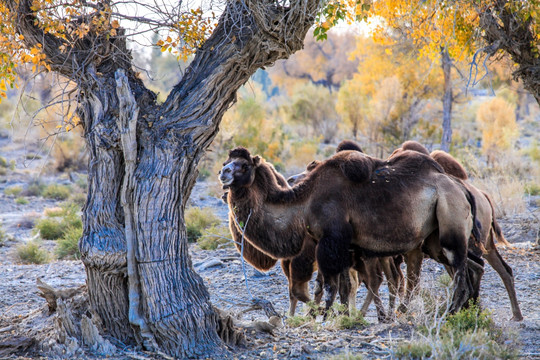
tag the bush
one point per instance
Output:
(57, 192)
(469, 333)
(532, 189)
(32, 253)
(469, 319)
(58, 221)
(21, 201)
(13, 190)
(3, 236)
(216, 236)
(78, 198)
(68, 244)
(34, 188)
(198, 219)
(298, 320)
(353, 321)
(3, 162)
(50, 229)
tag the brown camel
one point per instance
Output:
(346, 200)
(490, 229)
(368, 270)
(484, 246)
(299, 269)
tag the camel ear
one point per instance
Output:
(256, 160)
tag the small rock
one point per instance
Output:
(213, 262)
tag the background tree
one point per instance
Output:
(323, 63)
(392, 93)
(497, 122)
(143, 155)
(453, 30)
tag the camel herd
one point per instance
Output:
(353, 218)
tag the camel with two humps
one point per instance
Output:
(369, 270)
(299, 269)
(346, 201)
(483, 246)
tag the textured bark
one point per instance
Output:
(505, 31)
(134, 246)
(446, 64)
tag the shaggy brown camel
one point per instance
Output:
(490, 230)
(369, 270)
(484, 246)
(346, 201)
(299, 269)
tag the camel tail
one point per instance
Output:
(495, 225)
(476, 224)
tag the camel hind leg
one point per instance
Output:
(505, 273)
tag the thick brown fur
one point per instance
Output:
(486, 216)
(410, 189)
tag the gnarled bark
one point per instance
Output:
(134, 246)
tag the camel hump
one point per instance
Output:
(414, 146)
(449, 164)
(348, 145)
(356, 167)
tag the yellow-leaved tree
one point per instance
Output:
(451, 31)
(497, 121)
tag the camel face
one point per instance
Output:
(237, 172)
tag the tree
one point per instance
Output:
(143, 155)
(323, 63)
(497, 122)
(453, 30)
(391, 95)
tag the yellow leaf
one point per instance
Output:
(115, 24)
(3, 85)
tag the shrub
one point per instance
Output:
(32, 253)
(3, 236)
(3, 162)
(213, 237)
(68, 244)
(21, 201)
(13, 190)
(78, 198)
(532, 189)
(468, 319)
(58, 221)
(297, 320)
(469, 333)
(198, 219)
(346, 357)
(57, 192)
(353, 321)
(69, 154)
(34, 188)
(50, 229)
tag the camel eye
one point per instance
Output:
(245, 167)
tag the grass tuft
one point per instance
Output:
(32, 253)
(197, 220)
(57, 192)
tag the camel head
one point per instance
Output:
(238, 170)
(295, 179)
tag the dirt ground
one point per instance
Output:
(23, 312)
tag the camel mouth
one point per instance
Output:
(226, 183)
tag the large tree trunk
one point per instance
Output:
(446, 64)
(142, 166)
